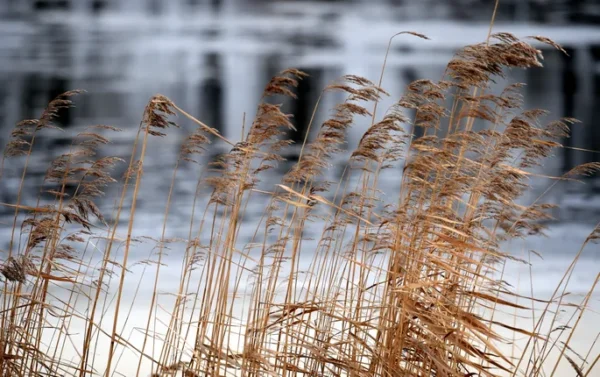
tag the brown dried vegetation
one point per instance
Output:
(398, 285)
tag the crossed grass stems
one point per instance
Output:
(406, 284)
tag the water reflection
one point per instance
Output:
(213, 58)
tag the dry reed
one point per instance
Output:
(403, 285)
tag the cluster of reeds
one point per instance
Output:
(401, 284)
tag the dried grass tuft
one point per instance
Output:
(335, 278)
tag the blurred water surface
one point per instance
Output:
(214, 57)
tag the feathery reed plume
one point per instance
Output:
(48, 255)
